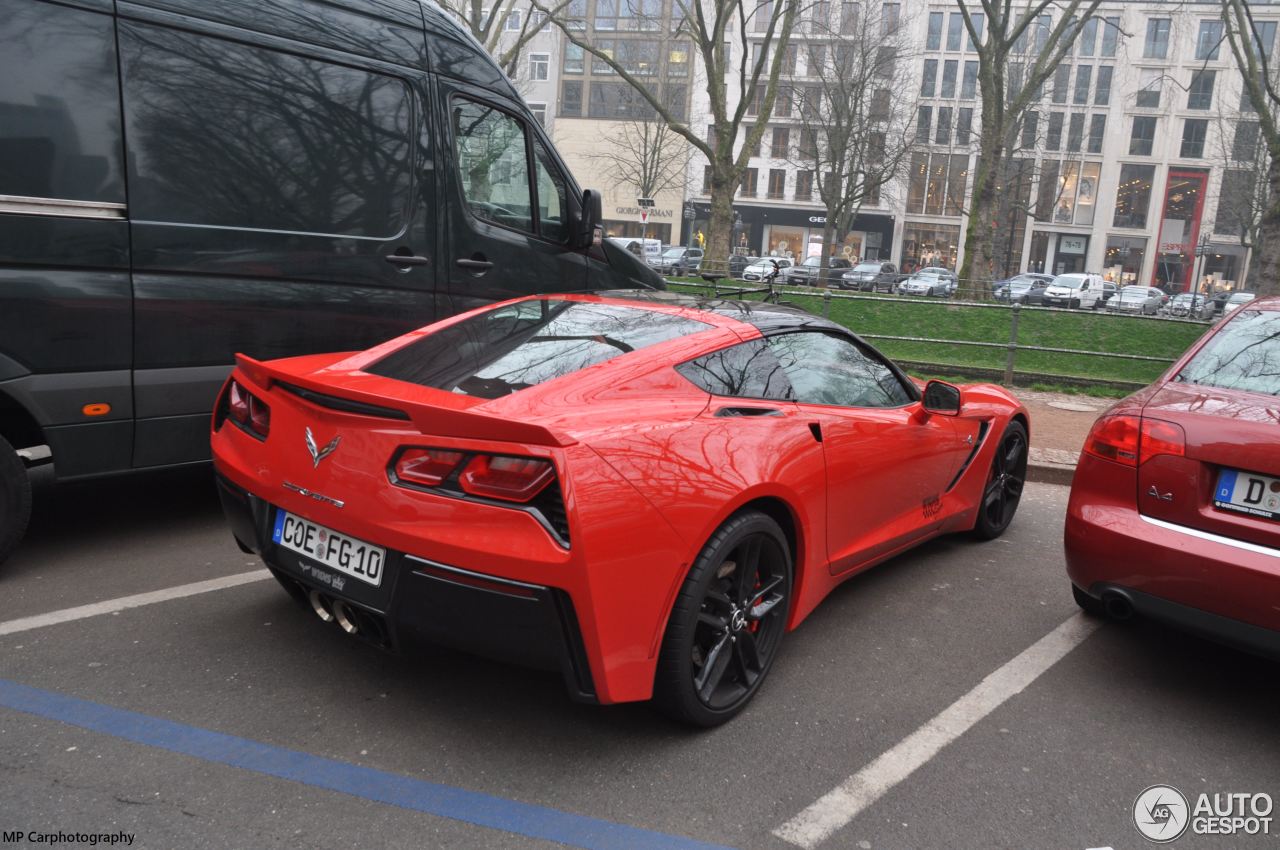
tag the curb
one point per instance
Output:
(1049, 466)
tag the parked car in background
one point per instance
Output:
(679, 261)
(1144, 300)
(1075, 290)
(872, 276)
(807, 273)
(764, 267)
(738, 264)
(1024, 288)
(928, 284)
(1237, 300)
(1174, 511)
(1190, 305)
(938, 271)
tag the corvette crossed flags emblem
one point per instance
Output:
(318, 454)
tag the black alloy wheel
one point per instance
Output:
(1004, 485)
(727, 623)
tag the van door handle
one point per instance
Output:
(475, 265)
(407, 260)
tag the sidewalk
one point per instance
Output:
(1059, 424)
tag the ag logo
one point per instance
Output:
(1161, 813)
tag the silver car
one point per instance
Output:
(931, 285)
(1143, 300)
(1190, 305)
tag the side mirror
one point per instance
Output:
(588, 229)
(942, 398)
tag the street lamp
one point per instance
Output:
(1202, 249)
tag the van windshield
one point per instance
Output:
(520, 345)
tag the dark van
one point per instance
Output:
(181, 180)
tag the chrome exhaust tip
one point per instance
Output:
(320, 605)
(345, 617)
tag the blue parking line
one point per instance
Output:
(382, 787)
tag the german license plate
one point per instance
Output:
(336, 551)
(1248, 493)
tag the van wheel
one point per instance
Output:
(15, 499)
(1075, 304)
(727, 623)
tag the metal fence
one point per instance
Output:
(1101, 337)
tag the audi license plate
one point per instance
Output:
(334, 550)
(1249, 493)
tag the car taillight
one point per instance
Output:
(426, 467)
(248, 411)
(1133, 440)
(511, 479)
(1160, 438)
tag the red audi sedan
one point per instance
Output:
(1175, 506)
(643, 491)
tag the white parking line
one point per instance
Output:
(110, 606)
(842, 804)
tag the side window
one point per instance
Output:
(493, 164)
(827, 369)
(231, 135)
(59, 104)
(552, 196)
(747, 370)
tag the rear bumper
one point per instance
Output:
(1217, 587)
(422, 601)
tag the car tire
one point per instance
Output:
(15, 499)
(1087, 603)
(1005, 480)
(727, 623)
(1074, 304)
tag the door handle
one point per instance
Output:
(474, 265)
(407, 260)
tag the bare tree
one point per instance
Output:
(1005, 98)
(1245, 194)
(648, 156)
(488, 24)
(724, 33)
(1252, 58)
(855, 126)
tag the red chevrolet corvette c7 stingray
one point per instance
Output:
(643, 491)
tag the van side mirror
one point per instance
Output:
(942, 398)
(588, 229)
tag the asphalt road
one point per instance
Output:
(306, 710)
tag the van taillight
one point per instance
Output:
(426, 467)
(502, 477)
(512, 479)
(1133, 440)
(250, 413)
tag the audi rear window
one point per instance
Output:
(517, 346)
(1244, 355)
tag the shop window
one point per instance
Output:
(930, 245)
(1133, 195)
(1123, 259)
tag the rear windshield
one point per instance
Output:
(1244, 355)
(867, 267)
(521, 345)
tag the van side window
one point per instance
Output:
(552, 196)
(59, 114)
(493, 164)
(226, 134)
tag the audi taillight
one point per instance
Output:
(1134, 440)
(426, 467)
(511, 479)
(249, 413)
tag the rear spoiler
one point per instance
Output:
(441, 419)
